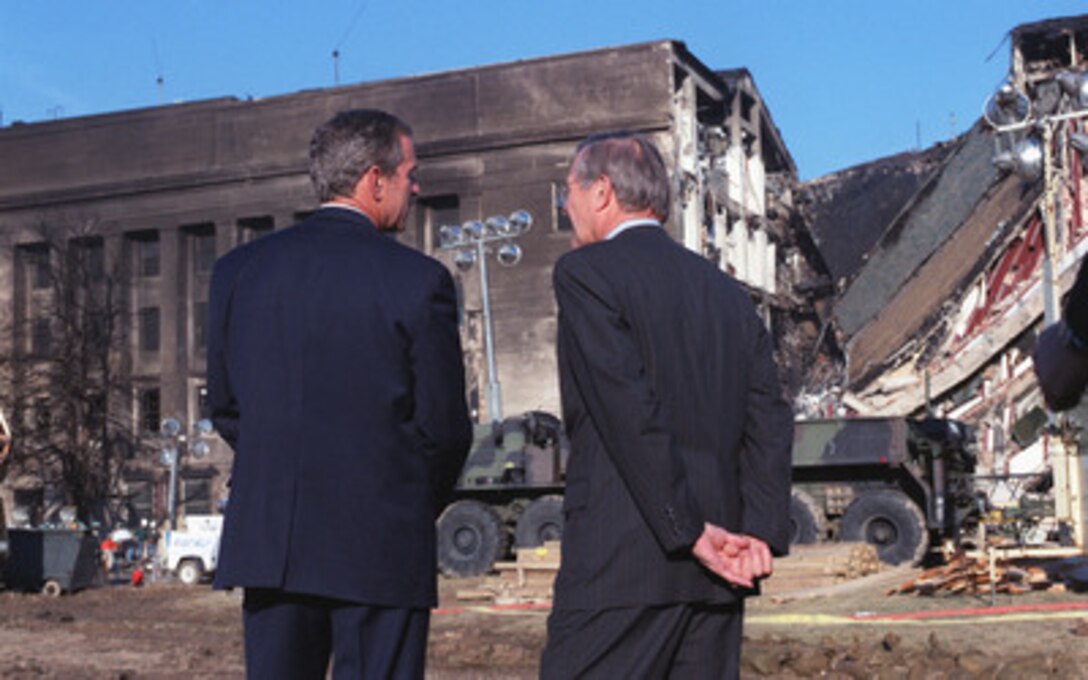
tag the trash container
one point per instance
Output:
(51, 561)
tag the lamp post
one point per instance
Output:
(1027, 134)
(174, 441)
(470, 243)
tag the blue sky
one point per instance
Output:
(846, 81)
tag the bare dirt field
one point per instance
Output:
(852, 630)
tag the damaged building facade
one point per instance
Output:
(943, 260)
(157, 194)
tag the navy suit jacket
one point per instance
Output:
(335, 373)
(676, 418)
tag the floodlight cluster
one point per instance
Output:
(467, 239)
(1023, 122)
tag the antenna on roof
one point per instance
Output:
(160, 82)
(339, 43)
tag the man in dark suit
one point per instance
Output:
(1061, 354)
(335, 373)
(678, 484)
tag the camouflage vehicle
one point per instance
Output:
(511, 485)
(897, 483)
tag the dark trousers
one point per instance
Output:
(696, 641)
(292, 637)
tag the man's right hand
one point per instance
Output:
(737, 558)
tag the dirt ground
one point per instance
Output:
(851, 630)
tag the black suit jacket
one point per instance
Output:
(675, 415)
(335, 372)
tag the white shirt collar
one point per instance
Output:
(637, 222)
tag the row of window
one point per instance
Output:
(148, 404)
(149, 330)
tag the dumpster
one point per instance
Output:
(52, 561)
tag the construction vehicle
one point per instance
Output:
(510, 487)
(900, 484)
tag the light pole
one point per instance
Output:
(1028, 133)
(173, 442)
(470, 244)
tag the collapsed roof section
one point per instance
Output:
(939, 256)
(849, 211)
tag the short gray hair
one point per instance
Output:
(632, 163)
(347, 145)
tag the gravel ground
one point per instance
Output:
(852, 630)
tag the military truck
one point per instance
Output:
(900, 484)
(510, 488)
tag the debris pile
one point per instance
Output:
(978, 575)
(814, 566)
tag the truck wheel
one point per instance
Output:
(807, 522)
(891, 522)
(51, 588)
(190, 572)
(541, 521)
(470, 539)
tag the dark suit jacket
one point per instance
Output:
(335, 372)
(675, 415)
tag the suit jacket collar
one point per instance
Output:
(339, 213)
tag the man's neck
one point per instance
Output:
(348, 204)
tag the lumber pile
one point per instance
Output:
(823, 564)
(528, 579)
(974, 576)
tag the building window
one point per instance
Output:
(200, 325)
(41, 416)
(149, 329)
(560, 218)
(41, 337)
(146, 250)
(140, 498)
(196, 496)
(433, 213)
(201, 238)
(150, 409)
(252, 228)
(36, 259)
(98, 331)
(88, 256)
(96, 411)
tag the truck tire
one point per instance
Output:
(51, 588)
(470, 539)
(190, 572)
(890, 521)
(540, 522)
(807, 521)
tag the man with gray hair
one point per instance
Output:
(335, 373)
(678, 485)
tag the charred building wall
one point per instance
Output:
(166, 190)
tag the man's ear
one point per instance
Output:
(371, 186)
(601, 194)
